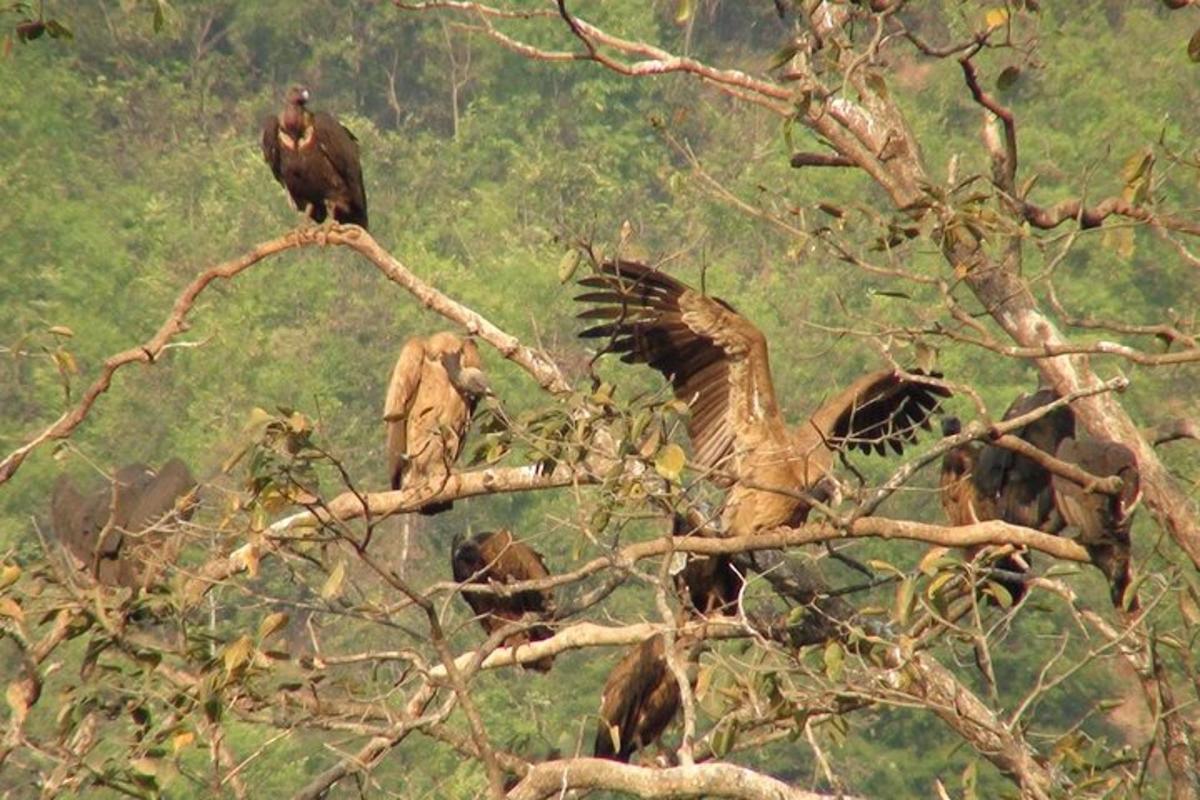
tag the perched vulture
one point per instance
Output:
(430, 400)
(123, 533)
(717, 362)
(707, 584)
(965, 503)
(641, 697)
(495, 557)
(315, 157)
(1102, 520)
(1021, 486)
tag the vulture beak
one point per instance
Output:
(468, 380)
(304, 95)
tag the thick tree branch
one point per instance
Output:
(543, 370)
(552, 778)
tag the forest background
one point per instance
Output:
(131, 163)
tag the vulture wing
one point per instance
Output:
(879, 410)
(715, 359)
(1103, 521)
(623, 702)
(68, 515)
(171, 483)
(341, 148)
(270, 146)
(402, 390)
(1021, 486)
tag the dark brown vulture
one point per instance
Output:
(124, 533)
(1102, 520)
(430, 401)
(316, 159)
(717, 363)
(641, 697)
(983, 482)
(1020, 485)
(707, 584)
(495, 557)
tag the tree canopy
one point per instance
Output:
(1002, 194)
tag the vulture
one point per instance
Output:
(640, 698)
(717, 363)
(980, 482)
(315, 157)
(495, 557)
(122, 533)
(431, 398)
(1102, 520)
(707, 584)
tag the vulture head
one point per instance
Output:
(451, 351)
(466, 558)
(951, 426)
(293, 120)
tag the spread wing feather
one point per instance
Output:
(715, 359)
(878, 410)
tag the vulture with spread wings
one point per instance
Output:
(717, 363)
(315, 157)
(125, 533)
(431, 398)
(495, 557)
(640, 698)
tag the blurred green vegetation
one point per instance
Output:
(131, 163)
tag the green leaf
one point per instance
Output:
(333, 584)
(237, 654)
(1193, 49)
(568, 265)
(684, 9)
(670, 461)
(835, 659)
(1008, 77)
(271, 623)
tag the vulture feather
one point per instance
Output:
(123, 533)
(431, 398)
(640, 698)
(707, 584)
(717, 363)
(1102, 520)
(315, 157)
(495, 557)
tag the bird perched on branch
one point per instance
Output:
(1102, 520)
(640, 698)
(435, 386)
(124, 533)
(316, 159)
(707, 584)
(496, 557)
(981, 482)
(717, 363)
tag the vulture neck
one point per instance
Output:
(294, 120)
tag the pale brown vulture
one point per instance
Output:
(495, 557)
(315, 157)
(717, 363)
(430, 401)
(126, 532)
(640, 698)
(1102, 520)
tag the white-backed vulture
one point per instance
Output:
(496, 557)
(124, 534)
(316, 159)
(430, 400)
(717, 363)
